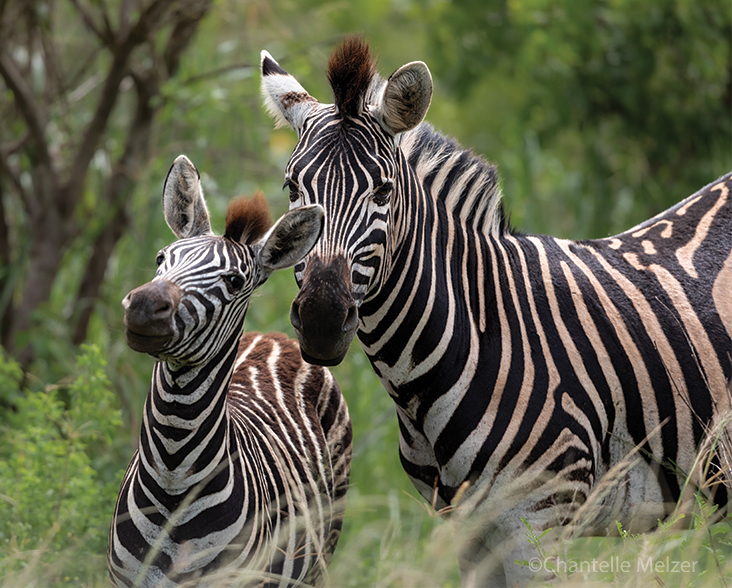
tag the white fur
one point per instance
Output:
(274, 88)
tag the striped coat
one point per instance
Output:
(244, 454)
(534, 378)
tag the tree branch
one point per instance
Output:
(27, 106)
(186, 19)
(150, 19)
(117, 194)
(86, 16)
(9, 172)
(126, 170)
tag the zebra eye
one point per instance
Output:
(160, 259)
(294, 190)
(234, 281)
(382, 193)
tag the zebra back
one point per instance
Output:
(532, 376)
(312, 421)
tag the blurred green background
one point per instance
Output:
(598, 113)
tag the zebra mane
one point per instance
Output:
(466, 183)
(247, 219)
(351, 71)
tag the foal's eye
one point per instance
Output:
(382, 193)
(294, 190)
(160, 259)
(234, 281)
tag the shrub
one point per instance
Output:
(53, 501)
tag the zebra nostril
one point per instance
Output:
(162, 310)
(351, 319)
(295, 316)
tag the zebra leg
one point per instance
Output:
(496, 530)
(488, 560)
(479, 567)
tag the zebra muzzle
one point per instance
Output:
(324, 313)
(149, 316)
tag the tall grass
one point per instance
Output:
(55, 535)
(391, 537)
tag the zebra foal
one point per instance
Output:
(244, 452)
(524, 368)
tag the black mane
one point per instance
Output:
(476, 197)
(351, 70)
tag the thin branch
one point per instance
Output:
(116, 202)
(23, 98)
(109, 31)
(214, 73)
(55, 86)
(28, 108)
(186, 17)
(93, 133)
(88, 20)
(150, 20)
(234, 66)
(82, 71)
(126, 8)
(9, 172)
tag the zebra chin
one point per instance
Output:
(152, 345)
(327, 358)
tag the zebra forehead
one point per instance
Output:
(350, 71)
(327, 145)
(207, 253)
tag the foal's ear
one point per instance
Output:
(405, 98)
(183, 204)
(291, 238)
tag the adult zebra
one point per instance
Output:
(244, 454)
(523, 367)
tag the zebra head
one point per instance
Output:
(347, 159)
(201, 290)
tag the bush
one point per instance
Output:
(53, 501)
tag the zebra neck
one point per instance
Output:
(433, 318)
(427, 324)
(464, 183)
(185, 422)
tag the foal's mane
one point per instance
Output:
(247, 219)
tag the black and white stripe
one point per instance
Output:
(244, 453)
(524, 368)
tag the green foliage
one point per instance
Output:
(535, 540)
(598, 115)
(53, 499)
(10, 377)
(672, 555)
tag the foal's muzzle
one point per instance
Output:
(149, 316)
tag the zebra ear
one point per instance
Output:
(405, 98)
(291, 238)
(183, 204)
(285, 99)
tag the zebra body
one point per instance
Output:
(524, 368)
(244, 450)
